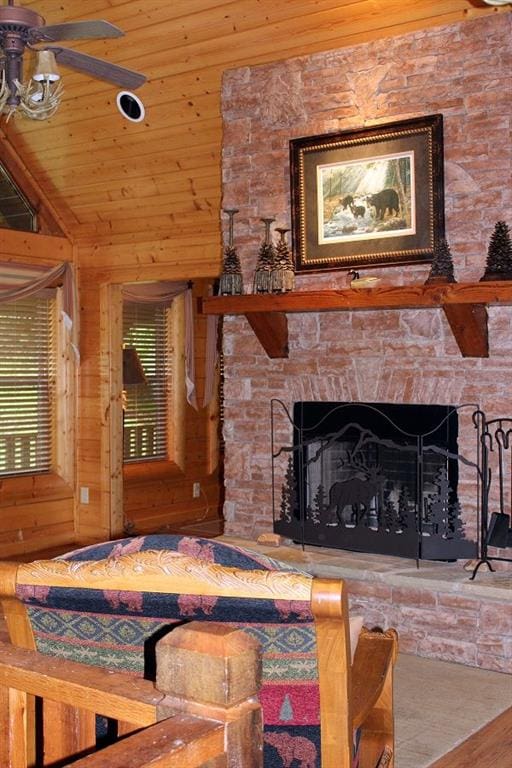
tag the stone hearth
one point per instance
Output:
(436, 610)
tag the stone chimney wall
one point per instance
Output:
(461, 71)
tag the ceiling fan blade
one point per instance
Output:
(77, 30)
(103, 70)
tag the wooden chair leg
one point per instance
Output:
(16, 751)
(67, 731)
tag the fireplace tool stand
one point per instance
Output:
(496, 450)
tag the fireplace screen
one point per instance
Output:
(377, 477)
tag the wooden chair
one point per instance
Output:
(105, 604)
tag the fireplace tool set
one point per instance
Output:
(416, 481)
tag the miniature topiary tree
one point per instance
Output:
(499, 255)
(441, 270)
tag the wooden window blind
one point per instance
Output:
(146, 406)
(27, 384)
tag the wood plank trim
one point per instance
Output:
(32, 248)
(181, 740)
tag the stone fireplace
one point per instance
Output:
(384, 356)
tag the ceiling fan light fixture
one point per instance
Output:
(46, 68)
(36, 100)
(497, 2)
(39, 97)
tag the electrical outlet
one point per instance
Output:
(196, 490)
(84, 494)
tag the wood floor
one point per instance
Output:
(491, 747)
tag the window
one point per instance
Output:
(15, 210)
(146, 328)
(27, 384)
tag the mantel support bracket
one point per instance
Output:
(271, 329)
(468, 323)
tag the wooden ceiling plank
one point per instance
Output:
(135, 175)
(140, 156)
(171, 113)
(127, 144)
(184, 186)
(112, 125)
(194, 220)
(114, 212)
(196, 82)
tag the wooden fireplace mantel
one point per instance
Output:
(464, 304)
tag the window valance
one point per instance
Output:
(18, 281)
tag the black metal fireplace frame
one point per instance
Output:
(300, 501)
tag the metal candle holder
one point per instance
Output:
(231, 281)
(282, 278)
(266, 259)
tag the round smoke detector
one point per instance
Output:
(130, 106)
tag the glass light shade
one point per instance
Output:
(497, 2)
(46, 67)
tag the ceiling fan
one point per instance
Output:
(23, 28)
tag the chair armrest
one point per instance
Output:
(375, 653)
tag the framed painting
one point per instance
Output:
(368, 197)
